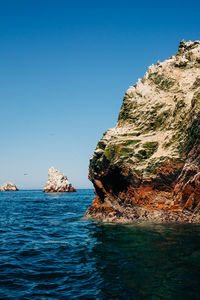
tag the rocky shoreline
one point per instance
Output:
(128, 214)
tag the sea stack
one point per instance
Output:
(148, 166)
(8, 187)
(57, 182)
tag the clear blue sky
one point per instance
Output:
(64, 67)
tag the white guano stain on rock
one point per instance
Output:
(57, 182)
(8, 187)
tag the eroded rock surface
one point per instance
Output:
(8, 187)
(148, 166)
(57, 182)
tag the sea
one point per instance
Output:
(48, 250)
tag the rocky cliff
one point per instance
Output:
(8, 187)
(57, 182)
(148, 166)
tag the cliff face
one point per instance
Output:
(57, 182)
(148, 166)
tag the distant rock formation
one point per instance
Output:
(148, 166)
(57, 182)
(8, 186)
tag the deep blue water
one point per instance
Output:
(47, 251)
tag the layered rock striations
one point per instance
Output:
(57, 182)
(148, 166)
(8, 187)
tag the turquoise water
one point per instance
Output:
(48, 251)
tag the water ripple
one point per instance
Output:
(48, 251)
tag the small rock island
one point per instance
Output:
(148, 166)
(8, 187)
(57, 182)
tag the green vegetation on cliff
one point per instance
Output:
(160, 81)
(161, 110)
